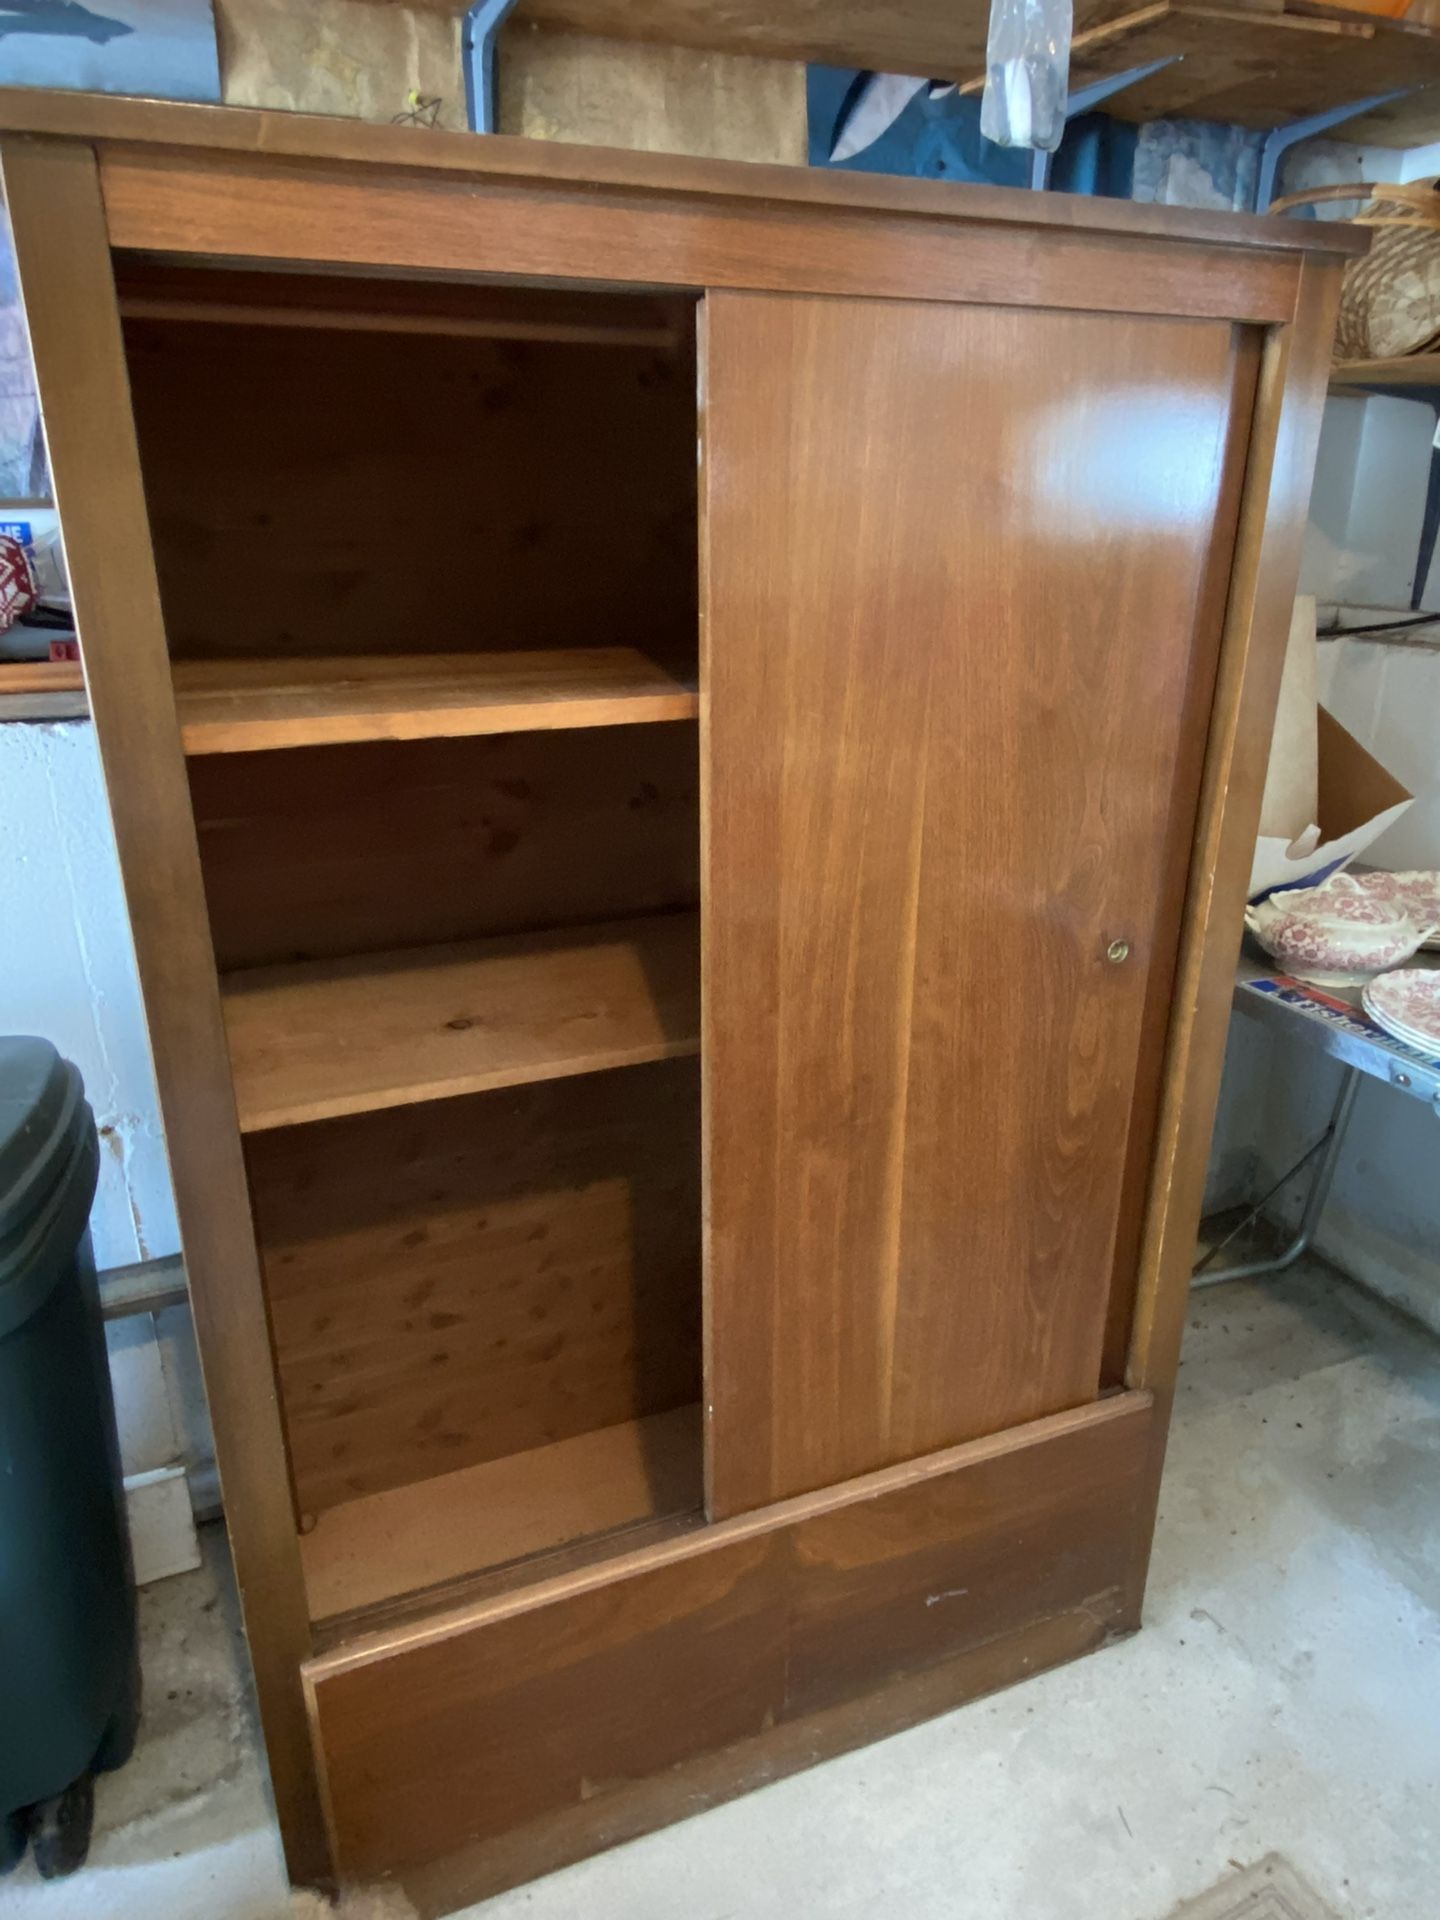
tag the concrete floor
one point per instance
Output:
(1285, 1696)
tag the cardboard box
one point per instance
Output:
(1326, 797)
(1356, 800)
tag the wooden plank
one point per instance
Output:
(469, 1589)
(1256, 68)
(167, 129)
(911, 36)
(427, 1023)
(249, 706)
(44, 706)
(40, 676)
(61, 249)
(466, 1279)
(538, 1726)
(1293, 377)
(938, 782)
(1413, 121)
(923, 37)
(221, 204)
(437, 1888)
(1420, 371)
(435, 1530)
(418, 841)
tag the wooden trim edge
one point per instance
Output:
(382, 1644)
(112, 119)
(1289, 403)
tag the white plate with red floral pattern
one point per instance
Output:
(1406, 1004)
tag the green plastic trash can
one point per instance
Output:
(69, 1679)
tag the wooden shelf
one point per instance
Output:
(1261, 65)
(433, 1531)
(42, 690)
(387, 1029)
(249, 706)
(1414, 370)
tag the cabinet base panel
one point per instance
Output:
(495, 1866)
(475, 1748)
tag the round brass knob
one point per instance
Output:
(1118, 952)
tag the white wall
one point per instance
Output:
(1383, 1221)
(67, 972)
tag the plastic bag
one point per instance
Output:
(1027, 73)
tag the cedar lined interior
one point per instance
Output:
(429, 580)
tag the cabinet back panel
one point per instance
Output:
(467, 1279)
(322, 851)
(960, 633)
(351, 492)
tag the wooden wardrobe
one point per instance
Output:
(684, 742)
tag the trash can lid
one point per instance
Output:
(42, 1112)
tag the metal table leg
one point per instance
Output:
(1315, 1200)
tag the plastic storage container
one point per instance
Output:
(69, 1679)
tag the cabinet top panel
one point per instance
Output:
(109, 120)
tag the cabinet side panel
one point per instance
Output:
(64, 266)
(953, 608)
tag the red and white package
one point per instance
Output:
(18, 592)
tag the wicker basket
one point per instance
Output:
(1390, 305)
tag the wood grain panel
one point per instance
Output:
(320, 852)
(915, 36)
(517, 1716)
(61, 251)
(427, 1023)
(451, 1283)
(486, 1867)
(251, 706)
(944, 697)
(267, 209)
(350, 492)
(433, 1532)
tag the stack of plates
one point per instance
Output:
(1406, 1003)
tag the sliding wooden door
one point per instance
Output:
(964, 580)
